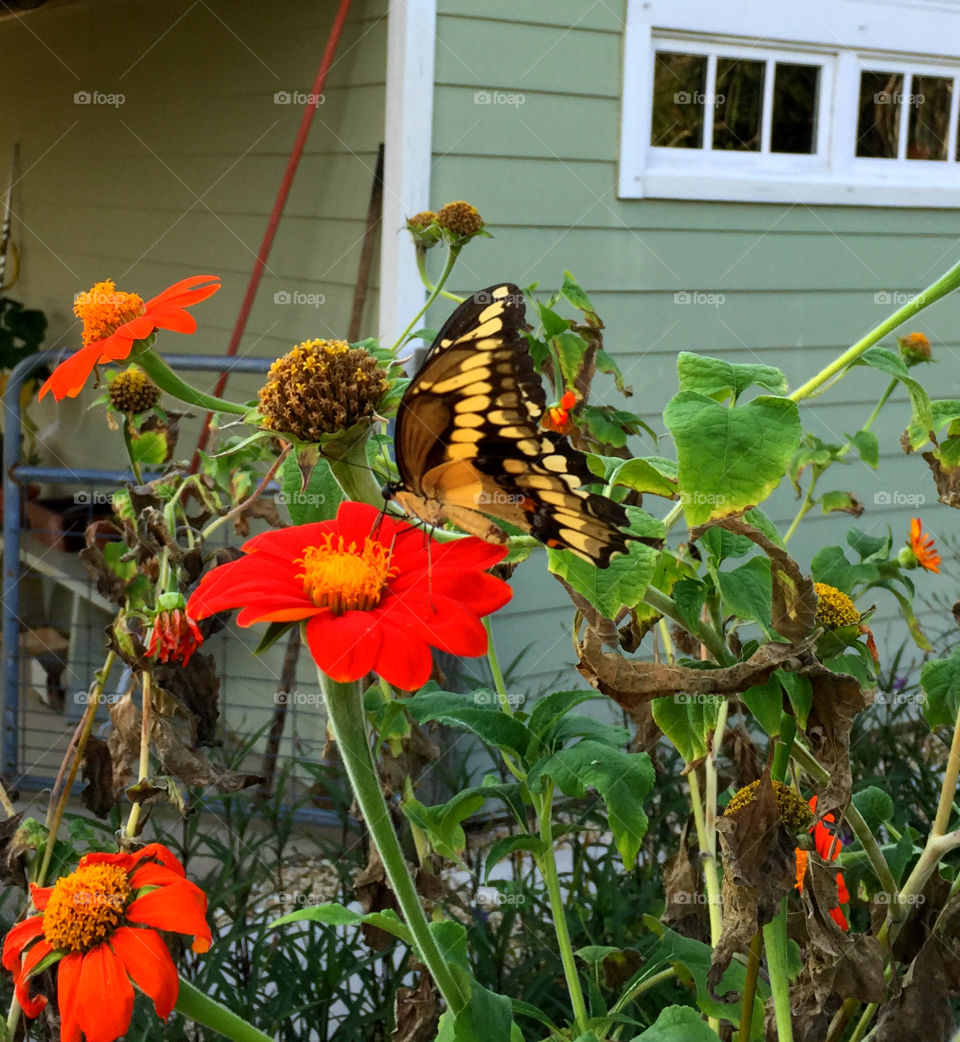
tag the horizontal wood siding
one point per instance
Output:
(791, 285)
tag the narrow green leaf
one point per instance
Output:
(573, 292)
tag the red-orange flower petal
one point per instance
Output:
(181, 907)
(376, 594)
(123, 329)
(104, 996)
(923, 547)
(149, 963)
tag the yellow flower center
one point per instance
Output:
(104, 308)
(345, 577)
(86, 907)
(835, 608)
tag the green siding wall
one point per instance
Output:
(798, 282)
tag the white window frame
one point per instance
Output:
(862, 36)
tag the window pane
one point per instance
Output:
(929, 117)
(739, 101)
(878, 129)
(678, 85)
(795, 108)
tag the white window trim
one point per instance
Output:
(407, 157)
(862, 36)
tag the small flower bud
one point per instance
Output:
(914, 348)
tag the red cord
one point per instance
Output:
(263, 253)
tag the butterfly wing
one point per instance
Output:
(469, 442)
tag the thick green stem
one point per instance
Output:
(144, 767)
(708, 857)
(203, 1010)
(346, 721)
(435, 292)
(944, 285)
(167, 380)
(775, 943)
(705, 632)
(805, 507)
(347, 456)
(750, 985)
(548, 867)
(426, 280)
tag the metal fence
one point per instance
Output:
(53, 620)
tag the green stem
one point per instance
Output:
(499, 685)
(346, 721)
(144, 767)
(128, 442)
(426, 280)
(944, 285)
(635, 992)
(347, 456)
(675, 511)
(750, 985)
(167, 380)
(705, 632)
(547, 864)
(805, 507)
(204, 1010)
(444, 275)
(775, 943)
(708, 857)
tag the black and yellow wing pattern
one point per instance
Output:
(469, 443)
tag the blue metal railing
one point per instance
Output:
(16, 475)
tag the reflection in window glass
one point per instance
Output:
(678, 95)
(878, 129)
(929, 117)
(739, 102)
(795, 108)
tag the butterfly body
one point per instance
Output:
(470, 445)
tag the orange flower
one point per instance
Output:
(101, 925)
(922, 546)
(558, 417)
(373, 593)
(827, 844)
(113, 321)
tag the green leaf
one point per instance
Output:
(942, 412)
(692, 960)
(940, 680)
(552, 323)
(441, 822)
(642, 476)
(678, 1024)
(112, 554)
(273, 632)
(485, 721)
(606, 364)
(799, 691)
(889, 362)
(623, 582)
(570, 348)
(875, 805)
(551, 708)
(899, 855)
(869, 547)
(572, 291)
(149, 447)
(868, 447)
(622, 780)
(686, 720)
(336, 915)
(746, 591)
(504, 847)
(730, 459)
(718, 378)
(721, 544)
(318, 501)
(765, 701)
(838, 501)
(689, 595)
(576, 725)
